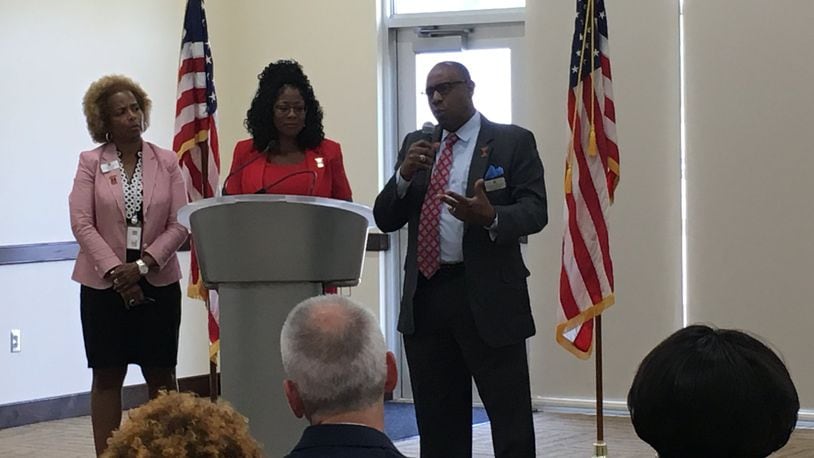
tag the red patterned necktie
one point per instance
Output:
(429, 224)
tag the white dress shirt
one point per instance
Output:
(452, 229)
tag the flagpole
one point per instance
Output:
(213, 366)
(600, 447)
(213, 376)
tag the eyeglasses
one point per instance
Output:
(283, 110)
(442, 88)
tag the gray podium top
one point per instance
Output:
(278, 238)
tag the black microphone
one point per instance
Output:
(265, 189)
(238, 170)
(427, 129)
(431, 133)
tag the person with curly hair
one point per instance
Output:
(182, 425)
(123, 207)
(288, 152)
(706, 392)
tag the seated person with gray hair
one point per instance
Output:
(338, 369)
(710, 393)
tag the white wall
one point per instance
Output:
(749, 168)
(52, 50)
(41, 301)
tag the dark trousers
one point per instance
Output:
(444, 354)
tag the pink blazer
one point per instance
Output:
(98, 222)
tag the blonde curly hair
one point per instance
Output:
(94, 103)
(182, 425)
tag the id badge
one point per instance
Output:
(110, 166)
(133, 237)
(495, 184)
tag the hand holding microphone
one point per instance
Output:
(421, 154)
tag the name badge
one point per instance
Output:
(109, 166)
(133, 237)
(494, 184)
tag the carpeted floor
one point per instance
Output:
(399, 419)
(558, 436)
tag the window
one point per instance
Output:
(435, 6)
(491, 71)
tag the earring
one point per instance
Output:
(107, 137)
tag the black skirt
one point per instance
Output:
(145, 334)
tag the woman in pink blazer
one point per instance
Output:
(123, 209)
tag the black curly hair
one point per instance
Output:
(260, 116)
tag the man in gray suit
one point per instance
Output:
(468, 193)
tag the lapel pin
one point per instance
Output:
(320, 163)
(484, 151)
(113, 180)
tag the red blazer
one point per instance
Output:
(322, 173)
(98, 215)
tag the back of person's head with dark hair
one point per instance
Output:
(707, 392)
(260, 116)
(183, 425)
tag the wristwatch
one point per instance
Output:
(142, 267)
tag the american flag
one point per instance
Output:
(196, 138)
(591, 176)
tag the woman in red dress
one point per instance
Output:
(288, 152)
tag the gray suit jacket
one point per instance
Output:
(495, 272)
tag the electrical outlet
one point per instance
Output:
(16, 345)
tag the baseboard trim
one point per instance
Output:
(805, 417)
(78, 404)
(579, 405)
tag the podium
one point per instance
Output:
(264, 254)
